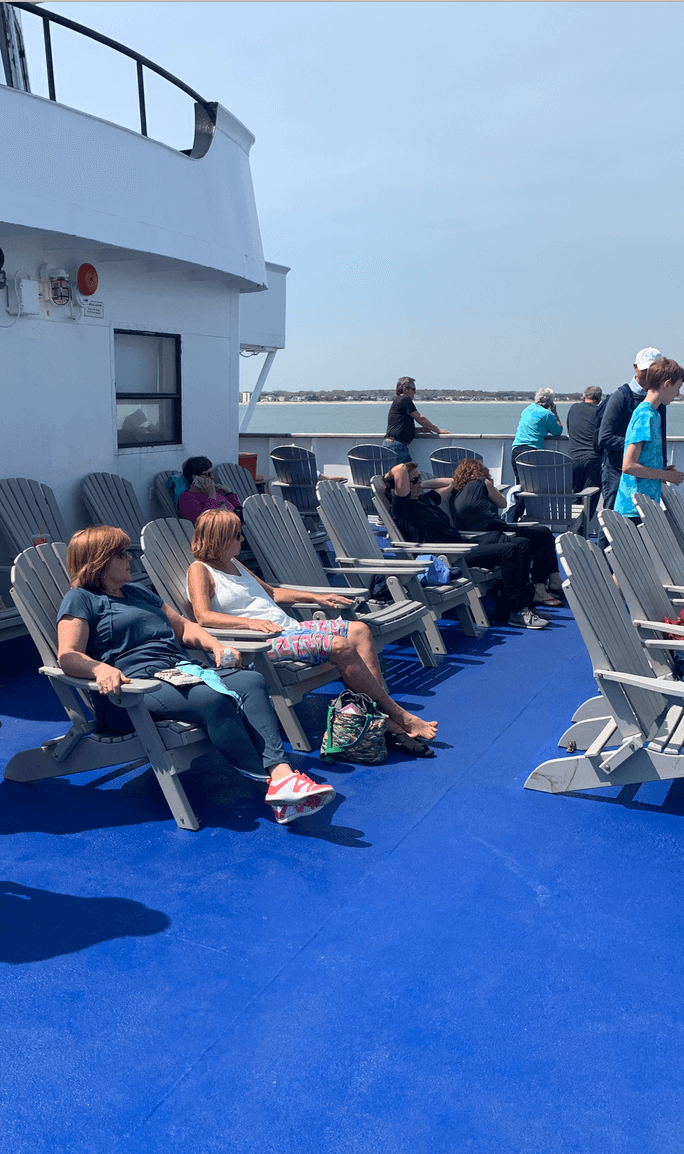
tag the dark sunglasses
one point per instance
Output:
(416, 479)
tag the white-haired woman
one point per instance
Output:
(537, 421)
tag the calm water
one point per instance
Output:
(282, 419)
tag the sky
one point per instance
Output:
(475, 195)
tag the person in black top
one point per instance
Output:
(474, 506)
(400, 422)
(586, 460)
(420, 518)
(616, 416)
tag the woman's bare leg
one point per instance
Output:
(356, 658)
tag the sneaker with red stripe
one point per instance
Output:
(284, 814)
(297, 788)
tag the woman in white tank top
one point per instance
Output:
(224, 593)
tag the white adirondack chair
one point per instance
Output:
(454, 554)
(642, 735)
(39, 582)
(236, 479)
(355, 543)
(28, 509)
(111, 500)
(282, 546)
(167, 558)
(546, 487)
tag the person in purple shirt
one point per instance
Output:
(203, 493)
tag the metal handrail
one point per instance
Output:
(141, 61)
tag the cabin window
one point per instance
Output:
(148, 395)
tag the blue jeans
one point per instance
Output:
(400, 448)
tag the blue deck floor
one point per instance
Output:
(439, 962)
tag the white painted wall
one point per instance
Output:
(262, 315)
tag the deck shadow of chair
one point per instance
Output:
(111, 500)
(642, 735)
(167, 557)
(296, 480)
(445, 460)
(674, 507)
(39, 582)
(355, 543)
(28, 509)
(364, 462)
(547, 493)
(281, 543)
(454, 554)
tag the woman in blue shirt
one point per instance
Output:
(643, 468)
(537, 421)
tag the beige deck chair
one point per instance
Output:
(28, 509)
(167, 558)
(281, 544)
(39, 582)
(111, 500)
(454, 554)
(642, 737)
(355, 543)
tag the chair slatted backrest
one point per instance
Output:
(364, 462)
(39, 582)
(661, 543)
(628, 558)
(346, 522)
(167, 557)
(674, 507)
(297, 473)
(601, 616)
(384, 509)
(236, 479)
(281, 543)
(28, 509)
(548, 475)
(163, 494)
(111, 500)
(445, 460)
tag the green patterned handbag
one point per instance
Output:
(355, 730)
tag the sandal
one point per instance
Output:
(401, 742)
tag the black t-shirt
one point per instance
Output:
(581, 426)
(400, 424)
(421, 519)
(472, 508)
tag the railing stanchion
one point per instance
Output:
(48, 57)
(141, 98)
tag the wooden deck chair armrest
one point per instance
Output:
(137, 686)
(253, 639)
(385, 566)
(652, 684)
(447, 547)
(589, 492)
(311, 588)
(664, 644)
(661, 627)
(364, 570)
(675, 588)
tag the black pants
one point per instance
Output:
(515, 453)
(514, 559)
(610, 483)
(586, 473)
(544, 560)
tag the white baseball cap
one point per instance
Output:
(646, 357)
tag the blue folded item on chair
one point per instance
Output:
(437, 572)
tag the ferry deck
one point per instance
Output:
(438, 961)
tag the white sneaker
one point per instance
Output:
(526, 619)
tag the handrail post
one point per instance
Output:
(141, 98)
(48, 57)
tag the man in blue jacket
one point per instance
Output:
(614, 421)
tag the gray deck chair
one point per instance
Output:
(454, 554)
(111, 500)
(546, 488)
(365, 461)
(282, 546)
(355, 543)
(39, 581)
(661, 542)
(445, 460)
(674, 507)
(236, 479)
(164, 494)
(167, 558)
(642, 738)
(297, 477)
(28, 509)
